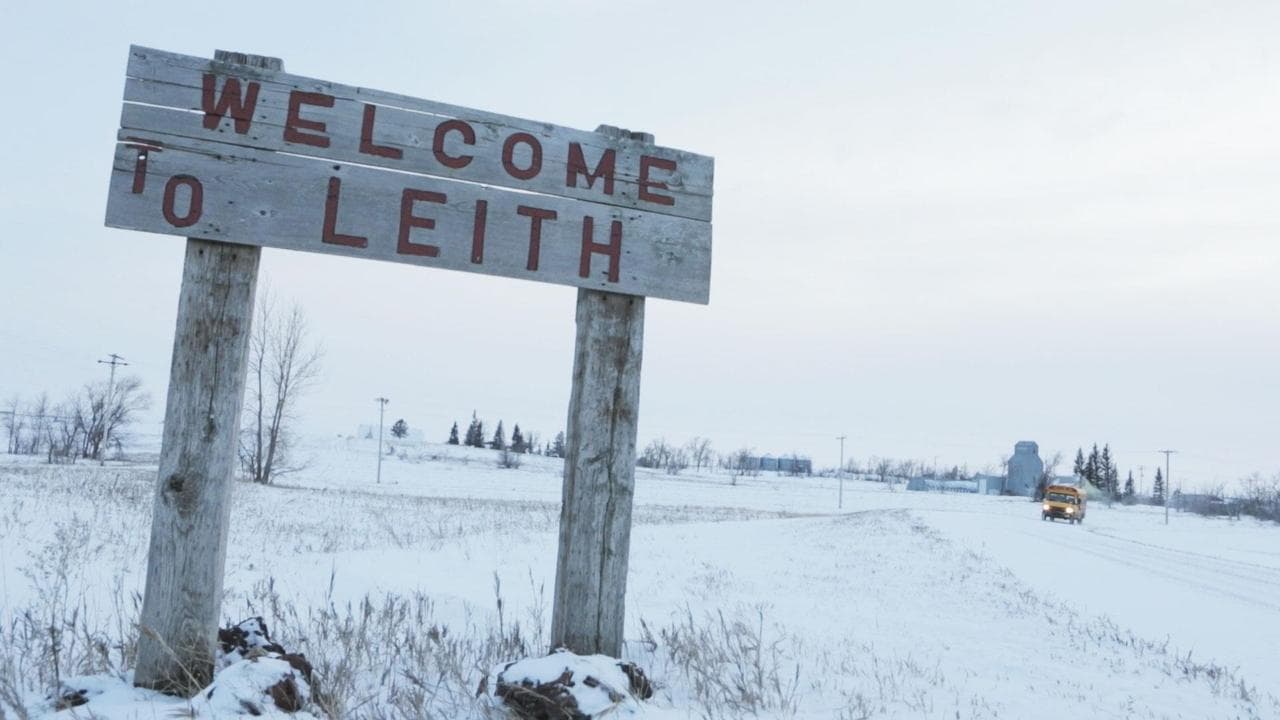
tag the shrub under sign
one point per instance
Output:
(235, 154)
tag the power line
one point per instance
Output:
(35, 415)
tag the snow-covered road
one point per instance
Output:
(1209, 585)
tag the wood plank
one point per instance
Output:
(599, 475)
(164, 93)
(182, 603)
(279, 200)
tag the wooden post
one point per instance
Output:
(183, 600)
(599, 471)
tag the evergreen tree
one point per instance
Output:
(1129, 489)
(1078, 469)
(475, 432)
(1157, 489)
(557, 446)
(517, 440)
(1091, 467)
(499, 439)
(453, 434)
(400, 428)
(1107, 474)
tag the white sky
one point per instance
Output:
(940, 227)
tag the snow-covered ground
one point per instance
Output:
(754, 598)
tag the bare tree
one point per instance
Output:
(655, 454)
(906, 469)
(101, 412)
(283, 362)
(660, 454)
(1046, 477)
(38, 413)
(700, 453)
(13, 423)
(882, 468)
(677, 459)
(63, 433)
(1261, 496)
(743, 462)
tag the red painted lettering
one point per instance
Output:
(294, 124)
(241, 108)
(330, 234)
(578, 166)
(535, 156)
(536, 216)
(647, 162)
(195, 205)
(613, 248)
(477, 231)
(366, 137)
(408, 221)
(144, 148)
(437, 143)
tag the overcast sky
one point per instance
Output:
(939, 227)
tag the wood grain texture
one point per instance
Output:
(279, 200)
(164, 92)
(183, 598)
(599, 475)
(182, 601)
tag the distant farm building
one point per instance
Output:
(1025, 469)
(1022, 476)
(790, 465)
(940, 485)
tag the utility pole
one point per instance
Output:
(840, 473)
(1168, 486)
(382, 406)
(106, 410)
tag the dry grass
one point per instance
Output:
(391, 657)
(736, 667)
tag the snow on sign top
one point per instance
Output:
(253, 155)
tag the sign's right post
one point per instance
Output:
(599, 469)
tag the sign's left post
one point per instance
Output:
(183, 597)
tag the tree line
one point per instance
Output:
(521, 442)
(671, 458)
(87, 424)
(1099, 469)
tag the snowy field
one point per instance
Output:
(755, 599)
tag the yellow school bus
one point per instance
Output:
(1063, 501)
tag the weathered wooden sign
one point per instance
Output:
(226, 151)
(236, 155)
